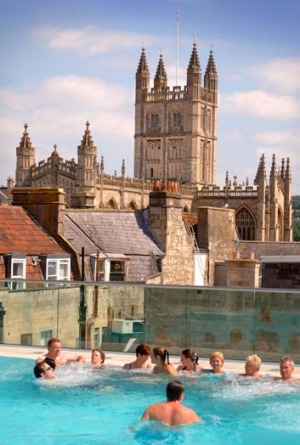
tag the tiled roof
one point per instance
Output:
(113, 232)
(190, 218)
(20, 234)
(269, 248)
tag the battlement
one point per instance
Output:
(175, 94)
(239, 191)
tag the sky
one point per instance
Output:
(66, 62)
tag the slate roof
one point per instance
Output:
(116, 234)
(20, 234)
(269, 248)
(112, 231)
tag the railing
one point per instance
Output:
(118, 316)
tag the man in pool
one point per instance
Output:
(287, 367)
(172, 412)
(55, 353)
(45, 370)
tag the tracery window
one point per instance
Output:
(245, 225)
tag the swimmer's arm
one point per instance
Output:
(146, 415)
(75, 358)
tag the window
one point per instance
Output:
(26, 339)
(58, 269)
(45, 336)
(96, 337)
(117, 271)
(18, 272)
(245, 225)
(154, 120)
(97, 269)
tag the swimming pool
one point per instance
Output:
(103, 407)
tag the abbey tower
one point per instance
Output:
(176, 130)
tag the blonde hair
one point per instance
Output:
(254, 360)
(215, 355)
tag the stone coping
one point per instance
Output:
(120, 358)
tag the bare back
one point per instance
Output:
(171, 413)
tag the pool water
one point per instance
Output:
(84, 406)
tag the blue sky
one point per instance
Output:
(66, 62)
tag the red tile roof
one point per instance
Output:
(20, 234)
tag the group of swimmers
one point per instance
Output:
(170, 412)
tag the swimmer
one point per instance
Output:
(172, 412)
(287, 366)
(143, 352)
(97, 358)
(54, 352)
(160, 358)
(216, 361)
(252, 367)
(44, 370)
(189, 361)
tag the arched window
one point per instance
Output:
(112, 204)
(245, 225)
(154, 120)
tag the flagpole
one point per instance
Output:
(177, 44)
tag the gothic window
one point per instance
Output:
(154, 122)
(177, 121)
(132, 205)
(245, 225)
(151, 172)
(112, 204)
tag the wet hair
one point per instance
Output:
(174, 390)
(287, 358)
(39, 369)
(102, 354)
(50, 362)
(163, 354)
(215, 355)
(53, 340)
(143, 349)
(254, 360)
(192, 355)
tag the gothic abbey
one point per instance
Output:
(175, 140)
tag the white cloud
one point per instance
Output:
(234, 135)
(283, 138)
(90, 40)
(280, 74)
(261, 104)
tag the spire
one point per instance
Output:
(211, 76)
(143, 65)
(87, 141)
(261, 170)
(288, 171)
(160, 79)
(142, 78)
(194, 72)
(25, 139)
(282, 171)
(273, 167)
(194, 60)
(211, 69)
(123, 168)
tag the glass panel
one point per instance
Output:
(18, 269)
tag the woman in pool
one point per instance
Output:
(97, 358)
(160, 358)
(216, 361)
(252, 367)
(189, 361)
(143, 352)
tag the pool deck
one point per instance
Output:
(119, 358)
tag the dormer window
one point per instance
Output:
(57, 267)
(17, 271)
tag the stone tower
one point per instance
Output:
(25, 160)
(175, 130)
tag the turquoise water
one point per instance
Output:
(86, 407)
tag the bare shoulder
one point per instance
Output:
(170, 370)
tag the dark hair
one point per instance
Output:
(38, 370)
(102, 354)
(143, 349)
(162, 353)
(174, 390)
(192, 355)
(50, 362)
